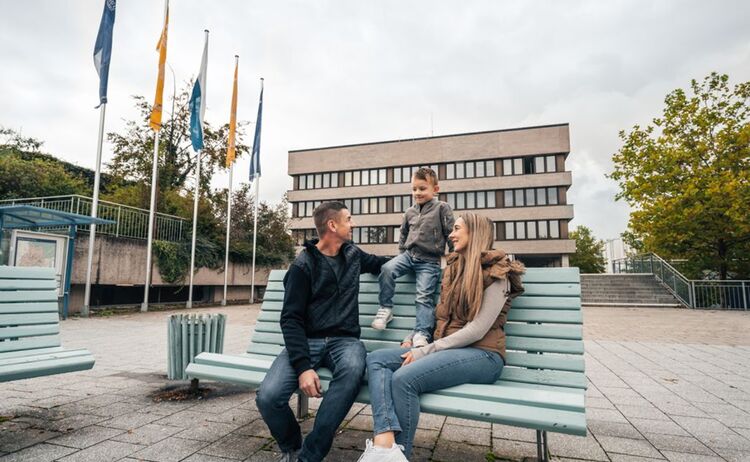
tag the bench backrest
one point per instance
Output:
(29, 317)
(544, 329)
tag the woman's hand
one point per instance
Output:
(408, 358)
(406, 344)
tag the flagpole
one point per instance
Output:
(229, 221)
(151, 218)
(255, 238)
(196, 195)
(94, 210)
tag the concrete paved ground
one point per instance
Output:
(664, 385)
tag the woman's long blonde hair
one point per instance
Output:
(466, 286)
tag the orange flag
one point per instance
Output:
(155, 121)
(231, 148)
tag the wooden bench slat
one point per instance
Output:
(38, 356)
(544, 345)
(45, 367)
(36, 351)
(547, 377)
(570, 332)
(546, 316)
(546, 303)
(30, 307)
(547, 361)
(27, 284)
(28, 319)
(11, 296)
(29, 331)
(22, 272)
(29, 343)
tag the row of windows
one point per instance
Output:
(530, 197)
(529, 165)
(471, 200)
(404, 174)
(505, 231)
(453, 171)
(477, 169)
(519, 230)
(365, 177)
(366, 206)
(319, 180)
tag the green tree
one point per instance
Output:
(589, 256)
(687, 175)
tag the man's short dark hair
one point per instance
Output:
(324, 213)
(427, 174)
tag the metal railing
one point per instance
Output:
(728, 295)
(129, 221)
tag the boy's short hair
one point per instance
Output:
(427, 174)
(325, 212)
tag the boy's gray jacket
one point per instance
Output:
(425, 230)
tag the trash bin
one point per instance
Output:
(190, 335)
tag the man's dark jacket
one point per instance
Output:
(317, 304)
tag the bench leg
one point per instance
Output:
(302, 405)
(542, 448)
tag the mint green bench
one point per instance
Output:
(542, 386)
(30, 327)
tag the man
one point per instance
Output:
(320, 323)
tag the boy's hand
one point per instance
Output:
(309, 383)
(408, 358)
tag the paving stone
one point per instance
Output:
(234, 446)
(470, 435)
(700, 426)
(257, 428)
(733, 420)
(207, 431)
(265, 456)
(118, 409)
(733, 456)
(577, 447)
(130, 420)
(507, 449)
(678, 443)
(184, 419)
(685, 457)
(730, 440)
(342, 455)
(206, 458)
(513, 433)
(633, 447)
(449, 451)
(604, 428)
(431, 421)
(235, 416)
(419, 455)
(666, 427)
(351, 439)
(602, 403)
(75, 422)
(629, 458)
(609, 415)
(85, 437)
(170, 450)
(643, 412)
(425, 438)
(361, 422)
(148, 434)
(11, 441)
(103, 452)
(39, 453)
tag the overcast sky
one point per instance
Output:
(342, 72)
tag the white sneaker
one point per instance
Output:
(382, 318)
(419, 340)
(375, 454)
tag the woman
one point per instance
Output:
(469, 345)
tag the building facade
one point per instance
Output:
(516, 177)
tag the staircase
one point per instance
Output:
(625, 290)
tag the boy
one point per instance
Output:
(424, 234)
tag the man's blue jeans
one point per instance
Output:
(345, 357)
(395, 390)
(428, 279)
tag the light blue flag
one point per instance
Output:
(198, 102)
(103, 48)
(255, 156)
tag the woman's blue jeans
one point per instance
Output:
(395, 390)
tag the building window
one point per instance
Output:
(531, 230)
(551, 166)
(471, 200)
(299, 236)
(554, 229)
(529, 165)
(530, 197)
(396, 234)
(401, 203)
(552, 196)
(369, 235)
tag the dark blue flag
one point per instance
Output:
(255, 157)
(103, 48)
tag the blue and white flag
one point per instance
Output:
(103, 48)
(255, 156)
(198, 102)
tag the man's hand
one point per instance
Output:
(309, 383)
(408, 358)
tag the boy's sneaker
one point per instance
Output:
(382, 318)
(419, 340)
(375, 454)
(290, 456)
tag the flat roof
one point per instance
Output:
(25, 216)
(430, 137)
